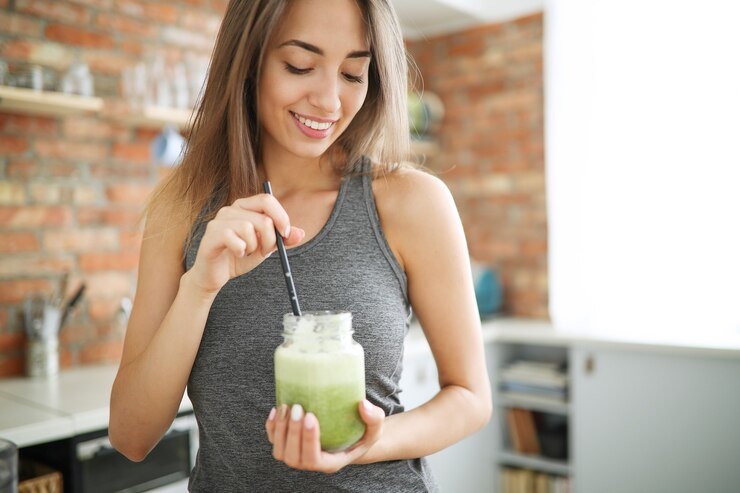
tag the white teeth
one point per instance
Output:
(312, 124)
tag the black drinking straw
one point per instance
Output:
(284, 261)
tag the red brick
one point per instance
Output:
(51, 9)
(12, 366)
(107, 63)
(20, 124)
(108, 284)
(129, 193)
(12, 193)
(155, 11)
(25, 266)
(16, 291)
(81, 240)
(104, 351)
(103, 310)
(55, 193)
(10, 341)
(32, 216)
(76, 332)
(120, 170)
(61, 148)
(22, 168)
(122, 24)
(67, 358)
(16, 49)
(10, 144)
(63, 170)
(19, 24)
(15, 242)
(103, 216)
(78, 37)
(88, 128)
(109, 261)
(132, 47)
(137, 152)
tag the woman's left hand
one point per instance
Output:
(295, 438)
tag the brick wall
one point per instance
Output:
(491, 141)
(71, 188)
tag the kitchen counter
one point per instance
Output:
(37, 410)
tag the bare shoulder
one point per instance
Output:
(410, 203)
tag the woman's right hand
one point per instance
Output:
(238, 239)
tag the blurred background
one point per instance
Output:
(591, 148)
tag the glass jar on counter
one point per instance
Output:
(321, 367)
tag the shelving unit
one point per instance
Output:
(50, 103)
(504, 351)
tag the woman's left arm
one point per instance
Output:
(423, 226)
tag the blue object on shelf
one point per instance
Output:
(488, 290)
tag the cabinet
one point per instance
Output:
(655, 422)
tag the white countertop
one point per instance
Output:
(37, 410)
(45, 409)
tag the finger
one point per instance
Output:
(281, 424)
(311, 446)
(292, 455)
(233, 242)
(267, 234)
(268, 205)
(295, 237)
(245, 230)
(270, 424)
(374, 418)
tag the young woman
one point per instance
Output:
(364, 234)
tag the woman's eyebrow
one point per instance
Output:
(319, 51)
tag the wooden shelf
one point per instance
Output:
(537, 463)
(51, 103)
(157, 117)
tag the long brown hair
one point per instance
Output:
(223, 146)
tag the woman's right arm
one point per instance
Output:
(170, 312)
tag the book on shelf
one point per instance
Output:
(516, 480)
(523, 431)
(535, 373)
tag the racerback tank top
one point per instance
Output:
(348, 266)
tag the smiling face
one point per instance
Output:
(314, 77)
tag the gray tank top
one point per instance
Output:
(349, 266)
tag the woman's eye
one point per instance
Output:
(301, 71)
(354, 78)
(295, 70)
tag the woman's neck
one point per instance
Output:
(290, 174)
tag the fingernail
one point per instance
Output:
(296, 413)
(266, 256)
(287, 232)
(310, 421)
(283, 411)
(366, 404)
(272, 414)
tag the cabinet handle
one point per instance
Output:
(590, 364)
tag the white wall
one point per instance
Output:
(643, 165)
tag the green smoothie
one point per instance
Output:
(327, 381)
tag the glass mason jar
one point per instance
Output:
(321, 367)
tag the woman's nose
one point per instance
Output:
(325, 96)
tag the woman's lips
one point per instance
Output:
(311, 132)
